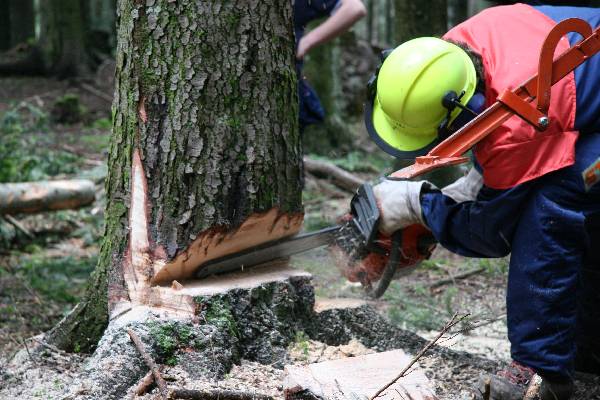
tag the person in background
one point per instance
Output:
(341, 15)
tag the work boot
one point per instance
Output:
(512, 383)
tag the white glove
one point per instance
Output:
(465, 188)
(400, 204)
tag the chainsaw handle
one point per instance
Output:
(390, 268)
(422, 244)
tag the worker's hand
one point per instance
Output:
(399, 203)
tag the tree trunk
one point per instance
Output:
(417, 18)
(62, 37)
(205, 154)
(370, 18)
(475, 6)
(458, 11)
(4, 25)
(100, 18)
(22, 21)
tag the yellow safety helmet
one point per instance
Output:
(420, 88)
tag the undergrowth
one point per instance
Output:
(36, 291)
(25, 157)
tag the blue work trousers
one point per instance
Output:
(551, 227)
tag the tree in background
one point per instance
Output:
(22, 21)
(62, 37)
(100, 17)
(17, 23)
(4, 25)
(417, 18)
(74, 36)
(205, 136)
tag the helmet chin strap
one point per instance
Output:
(451, 100)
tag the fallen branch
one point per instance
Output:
(454, 278)
(340, 177)
(533, 390)
(98, 93)
(488, 389)
(144, 384)
(326, 188)
(213, 394)
(31, 197)
(14, 222)
(455, 320)
(162, 385)
(479, 325)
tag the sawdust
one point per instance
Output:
(486, 341)
(250, 376)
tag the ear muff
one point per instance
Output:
(475, 106)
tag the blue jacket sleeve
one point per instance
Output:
(480, 228)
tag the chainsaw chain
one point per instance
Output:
(351, 241)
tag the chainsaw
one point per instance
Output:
(361, 253)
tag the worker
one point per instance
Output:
(533, 194)
(342, 14)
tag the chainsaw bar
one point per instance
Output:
(269, 251)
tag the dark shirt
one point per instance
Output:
(306, 11)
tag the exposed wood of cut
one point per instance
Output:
(257, 229)
(358, 377)
(146, 265)
(31, 197)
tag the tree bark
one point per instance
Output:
(205, 139)
(22, 21)
(417, 18)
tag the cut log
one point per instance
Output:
(356, 378)
(32, 197)
(183, 300)
(339, 176)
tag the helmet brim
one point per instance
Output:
(393, 140)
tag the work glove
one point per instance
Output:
(400, 204)
(466, 188)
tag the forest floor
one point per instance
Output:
(42, 277)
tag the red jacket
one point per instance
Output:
(509, 40)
